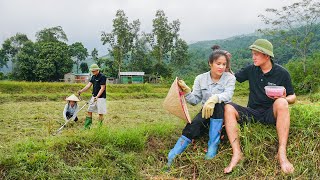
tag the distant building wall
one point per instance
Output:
(69, 78)
(131, 77)
(111, 80)
(77, 78)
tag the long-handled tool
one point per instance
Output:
(72, 118)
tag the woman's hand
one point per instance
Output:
(208, 107)
(183, 86)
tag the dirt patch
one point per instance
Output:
(162, 178)
(3, 171)
(155, 143)
(75, 153)
(156, 146)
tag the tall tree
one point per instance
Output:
(26, 64)
(79, 53)
(3, 59)
(84, 67)
(11, 47)
(162, 36)
(94, 54)
(53, 61)
(296, 23)
(140, 58)
(121, 38)
(180, 53)
(53, 34)
(96, 59)
(110, 69)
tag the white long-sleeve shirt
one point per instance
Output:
(71, 110)
(204, 88)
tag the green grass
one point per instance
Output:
(315, 97)
(113, 151)
(14, 87)
(42, 91)
(135, 139)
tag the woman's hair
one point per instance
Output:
(216, 53)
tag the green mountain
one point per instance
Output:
(241, 55)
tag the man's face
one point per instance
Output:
(95, 72)
(259, 58)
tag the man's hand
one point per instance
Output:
(208, 107)
(79, 92)
(183, 86)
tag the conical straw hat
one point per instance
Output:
(175, 102)
(72, 98)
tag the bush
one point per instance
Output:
(14, 87)
(162, 69)
(2, 76)
(315, 97)
(305, 82)
(305, 116)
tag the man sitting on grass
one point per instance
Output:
(262, 108)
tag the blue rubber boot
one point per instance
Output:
(214, 137)
(180, 146)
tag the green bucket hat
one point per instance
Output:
(94, 67)
(264, 46)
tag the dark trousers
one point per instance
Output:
(200, 126)
(69, 115)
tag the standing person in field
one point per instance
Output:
(212, 89)
(98, 102)
(261, 108)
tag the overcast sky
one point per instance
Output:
(84, 20)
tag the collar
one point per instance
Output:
(270, 72)
(97, 74)
(209, 80)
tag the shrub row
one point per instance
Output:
(14, 87)
(60, 97)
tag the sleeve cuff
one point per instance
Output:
(187, 94)
(219, 99)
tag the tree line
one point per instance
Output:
(294, 31)
(157, 53)
(46, 59)
(50, 57)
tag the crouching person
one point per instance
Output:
(71, 108)
(98, 101)
(212, 89)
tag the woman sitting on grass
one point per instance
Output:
(212, 89)
(71, 108)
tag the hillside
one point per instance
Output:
(136, 136)
(238, 47)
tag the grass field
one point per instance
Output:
(135, 139)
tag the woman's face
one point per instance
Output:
(72, 103)
(219, 66)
